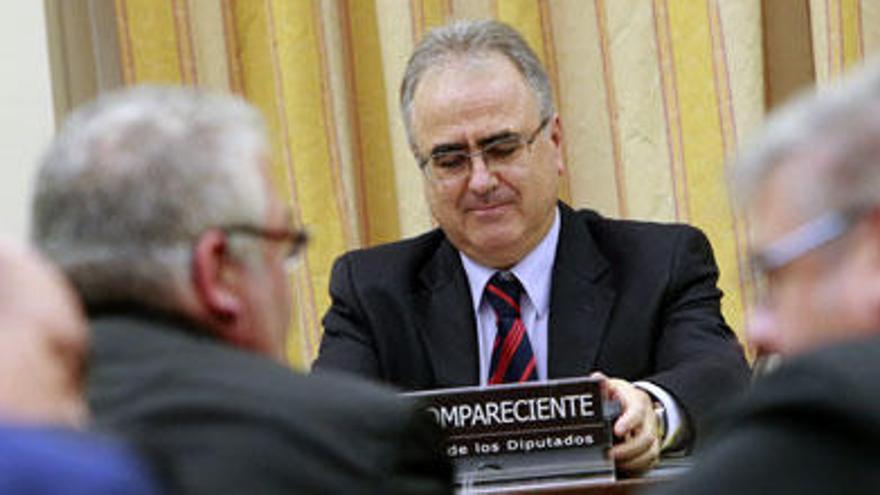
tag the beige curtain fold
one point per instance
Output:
(653, 96)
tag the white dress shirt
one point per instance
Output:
(535, 273)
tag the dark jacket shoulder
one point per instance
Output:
(397, 259)
(809, 427)
(838, 383)
(224, 420)
(636, 236)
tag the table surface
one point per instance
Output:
(665, 471)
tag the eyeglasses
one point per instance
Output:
(295, 239)
(452, 165)
(810, 236)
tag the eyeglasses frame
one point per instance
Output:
(298, 239)
(808, 237)
(525, 142)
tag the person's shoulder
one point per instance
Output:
(601, 224)
(409, 247)
(636, 239)
(268, 383)
(856, 357)
(837, 381)
(323, 396)
(807, 427)
(221, 395)
(852, 366)
(185, 366)
(393, 260)
(358, 395)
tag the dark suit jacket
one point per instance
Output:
(635, 300)
(221, 420)
(812, 426)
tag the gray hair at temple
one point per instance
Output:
(472, 39)
(834, 136)
(134, 178)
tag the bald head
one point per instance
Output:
(43, 342)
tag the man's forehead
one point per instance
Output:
(457, 62)
(30, 286)
(456, 104)
(772, 214)
(786, 202)
(20, 269)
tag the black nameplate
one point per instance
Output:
(549, 430)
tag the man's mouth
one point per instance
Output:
(488, 208)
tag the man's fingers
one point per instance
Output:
(637, 426)
(628, 421)
(644, 461)
(633, 446)
(640, 449)
(603, 385)
(634, 404)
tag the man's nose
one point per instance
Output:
(481, 179)
(762, 331)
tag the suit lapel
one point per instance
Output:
(581, 298)
(447, 320)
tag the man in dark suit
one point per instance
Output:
(573, 292)
(157, 204)
(811, 187)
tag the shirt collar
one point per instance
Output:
(534, 271)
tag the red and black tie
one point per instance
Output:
(512, 358)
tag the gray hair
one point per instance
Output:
(835, 137)
(468, 39)
(134, 178)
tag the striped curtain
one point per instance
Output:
(653, 96)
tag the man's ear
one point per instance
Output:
(556, 140)
(214, 278)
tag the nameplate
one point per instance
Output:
(553, 430)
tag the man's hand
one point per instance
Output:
(637, 427)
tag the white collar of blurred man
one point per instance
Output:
(213, 251)
(43, 343)
(810, 190)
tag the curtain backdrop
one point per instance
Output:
(653, 95)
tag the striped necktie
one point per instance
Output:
(512, 358)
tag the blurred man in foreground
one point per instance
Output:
(811, 188)
(157, 204)
(44, 342)
(516, 286)
(43, 351)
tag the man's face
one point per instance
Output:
(496, 217)
(43, 343)
(826, 295)
(269, 285)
